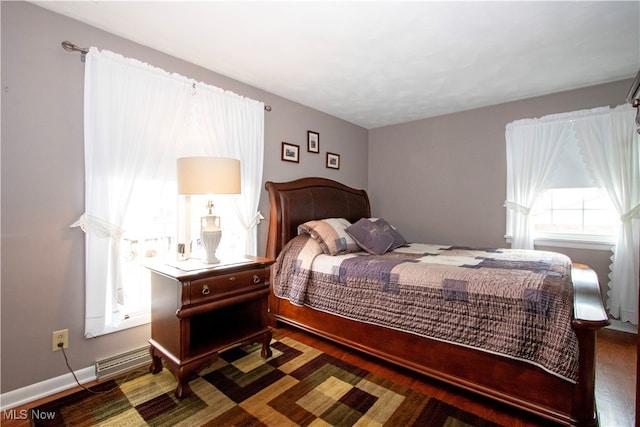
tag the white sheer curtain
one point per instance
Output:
(132, 117)
(135, 117)
(235, 128)
(611, 149)
(533, 146)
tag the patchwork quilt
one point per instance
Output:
(515, 303)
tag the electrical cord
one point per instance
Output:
(66, 360)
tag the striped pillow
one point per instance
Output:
(331, 234)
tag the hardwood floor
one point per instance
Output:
(616, 378)
(616, 356)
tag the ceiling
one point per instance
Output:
(382, 63)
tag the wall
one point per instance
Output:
(43, 192)
(443, 180)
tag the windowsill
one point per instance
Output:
(598, 243)
(137, 319)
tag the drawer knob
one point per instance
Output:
(256, 279)
(206, 290)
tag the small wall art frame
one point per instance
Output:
(313, 141)
(333, 160)
(290, 152)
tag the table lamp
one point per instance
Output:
(208, 175)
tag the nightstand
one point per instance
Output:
(196, 314)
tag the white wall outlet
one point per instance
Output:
(61, 336)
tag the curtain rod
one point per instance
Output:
(633, 98)
(70, 47)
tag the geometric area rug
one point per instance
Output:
(298, 386)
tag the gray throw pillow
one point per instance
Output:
(370, 236)
(398, 239)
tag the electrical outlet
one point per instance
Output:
(57, 337)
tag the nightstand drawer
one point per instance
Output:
(213, 288)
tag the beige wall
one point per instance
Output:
(43, 183)
(443, 180)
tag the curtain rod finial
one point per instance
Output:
(70, 47)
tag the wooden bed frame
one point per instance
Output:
(515, 383)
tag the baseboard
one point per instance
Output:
(45, 388)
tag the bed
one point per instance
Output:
(563, 394)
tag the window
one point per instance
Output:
(575, 214)
(570, 209)
(555, 165)
(137, 121)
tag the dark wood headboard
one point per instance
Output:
(296, 202)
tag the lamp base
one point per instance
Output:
(210, 241)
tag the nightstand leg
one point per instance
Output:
(156, 362)
(183, 390)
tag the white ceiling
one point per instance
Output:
(381, 63)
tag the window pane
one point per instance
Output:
(600, 222)
(544, 217)
(596, 199)
(568, 219)
(136, 289)
(149, 236)
(564, 198)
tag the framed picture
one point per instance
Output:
(313, 142)
(333, 160)
(290, 152)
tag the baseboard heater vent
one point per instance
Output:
(123, 363)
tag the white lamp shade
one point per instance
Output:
(208, 175)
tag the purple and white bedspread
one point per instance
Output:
(515, 303)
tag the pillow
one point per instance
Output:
(331, 235)
(370, 236)
(398, 239)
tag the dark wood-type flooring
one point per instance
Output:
(616, 355)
